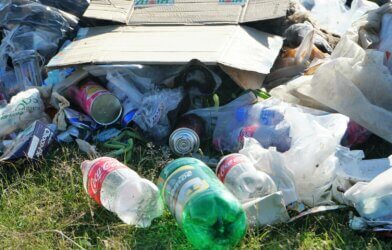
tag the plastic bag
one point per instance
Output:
(75, 7)
(23, 109)
(25, 12)
(355, 84)
(33, 26)
(373, 200)
(336, 17)
(273, 123)
(272, 163)
(152, 116)
(386, 39)
(311, 157)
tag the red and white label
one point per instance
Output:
(97, 174)
(248, 131)
(227, 164)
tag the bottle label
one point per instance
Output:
(181, 186)
(227, 163)
(248, 131)
(97, 174)
(86, 94)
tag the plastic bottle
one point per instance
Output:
(266, 125)
(211, 217)
(121, 190)
(27, 68)
(239, 175)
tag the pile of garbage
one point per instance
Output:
(264, 105)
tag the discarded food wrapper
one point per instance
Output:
(32, 142)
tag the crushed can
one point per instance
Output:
(80, 120)
(96, 101)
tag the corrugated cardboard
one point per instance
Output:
(186, 11)
(234, 46)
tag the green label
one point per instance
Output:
(182, 184)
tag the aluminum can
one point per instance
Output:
(97, 102)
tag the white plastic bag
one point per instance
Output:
(373, 200)
(271, 162)
(23, 109)
(357, 85)
(334, 16)
(308, 168)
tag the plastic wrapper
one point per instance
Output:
(152, 117)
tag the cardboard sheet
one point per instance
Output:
(153, 12)
(234, 46)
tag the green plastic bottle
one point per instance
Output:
(211, 217)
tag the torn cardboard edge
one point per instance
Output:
(244, 53)
(145, 12)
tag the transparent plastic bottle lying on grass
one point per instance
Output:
(121, 190)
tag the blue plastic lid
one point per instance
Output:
(128, 118)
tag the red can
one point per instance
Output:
(96, 101)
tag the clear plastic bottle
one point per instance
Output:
(211, 217)
(121, 190)
(239, 175)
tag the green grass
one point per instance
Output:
(43, 206)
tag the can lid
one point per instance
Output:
(106, 109)
(184, 141)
